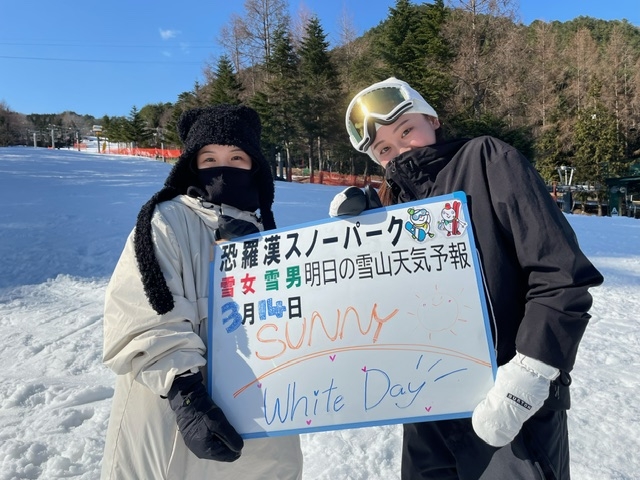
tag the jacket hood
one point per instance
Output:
(223, 124)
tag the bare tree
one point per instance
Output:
(544, 75)
(634, 107)
(350, 49)
(262, 18)
(509, 95)
(474, 33)
(582, 61)
(248, 40)
(234, 38)
(346, 29)
(616, 75)
(299, 25)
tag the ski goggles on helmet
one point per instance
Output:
(381, 103)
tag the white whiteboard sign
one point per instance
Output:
(349, 322)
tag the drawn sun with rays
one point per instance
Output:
(439, 312)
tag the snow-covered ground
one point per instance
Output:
(64, 216)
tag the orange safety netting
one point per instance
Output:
(145, 152)
(333, 178)
(322, 177)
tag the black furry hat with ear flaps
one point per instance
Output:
(236, 125)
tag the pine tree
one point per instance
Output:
(413, 49)
(599, 151)
(280, 105)
(549, 154)
(398, 43)
(225, 87)
(186, 101)
(138, 131)
(320, 90)
(8, 126)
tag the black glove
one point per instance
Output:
(205, 429)
(230, 228)
(373, 200)
(353, 201)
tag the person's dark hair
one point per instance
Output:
(386, 194)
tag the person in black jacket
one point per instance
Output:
(536, 282)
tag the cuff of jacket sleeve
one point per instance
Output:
(538, 367)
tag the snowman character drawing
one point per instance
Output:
(419, 224)
(451, 222)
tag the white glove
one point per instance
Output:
(521, 387)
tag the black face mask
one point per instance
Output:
(231, 186)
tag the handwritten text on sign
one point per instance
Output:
(367, 320)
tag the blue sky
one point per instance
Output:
(103, 58)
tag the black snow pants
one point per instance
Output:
(450, 450)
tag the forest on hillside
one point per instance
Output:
(564, 93)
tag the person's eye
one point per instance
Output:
(383, 151)
(406, 132)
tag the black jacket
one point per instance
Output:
(536, 276)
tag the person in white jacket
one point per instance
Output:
(163, 424)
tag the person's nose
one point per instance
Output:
(405, 146)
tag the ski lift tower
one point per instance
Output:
(566, 179)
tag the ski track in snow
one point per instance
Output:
(55, 399)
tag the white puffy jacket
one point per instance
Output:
(147, 351)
